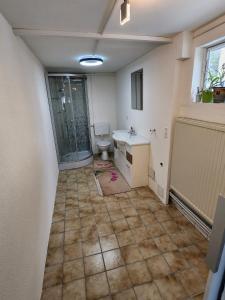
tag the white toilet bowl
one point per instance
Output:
(103, 146)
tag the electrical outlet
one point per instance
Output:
(165, 133)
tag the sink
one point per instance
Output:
(123, 136)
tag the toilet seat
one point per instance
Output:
(103, 143)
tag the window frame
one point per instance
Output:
(206, 60)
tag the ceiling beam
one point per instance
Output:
(105, 19)
(98, 36)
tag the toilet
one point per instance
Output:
(102, 129)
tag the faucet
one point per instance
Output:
(132, 131)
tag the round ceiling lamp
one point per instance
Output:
(90, 61)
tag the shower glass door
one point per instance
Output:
(68, 101)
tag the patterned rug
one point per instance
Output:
(110, 181)
(102, 165)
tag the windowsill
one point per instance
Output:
(211, 112)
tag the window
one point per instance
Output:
(215, 67)
(137, 90)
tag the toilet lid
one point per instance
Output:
(103, 143)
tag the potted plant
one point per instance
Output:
(214, 81)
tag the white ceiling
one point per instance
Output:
(148, 17)
(63, 53)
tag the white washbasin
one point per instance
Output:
(123, 136)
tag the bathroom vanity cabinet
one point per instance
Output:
(132, 161)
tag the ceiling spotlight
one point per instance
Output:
(124, 12)
(91, 61)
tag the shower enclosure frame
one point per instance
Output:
(89, 159)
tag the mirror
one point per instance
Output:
(137, 90)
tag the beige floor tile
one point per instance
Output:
(148, 248)
(93, 264)
(203, 246)
(97, 286)
(155, 230)
(176, 261)
(191, 281)
(125, 238)
(100, 208)
(56, 240)
(164, 243)
(73, 270)
(113, 259)
(147, 291)
(121, 195)
(72, 237)
(181, 239)
(170, 288)
(89, 233)
(91, 247)
(86, 211)
(105, 229)
(138, 273)
(71, 204)
(59, 207)
(143, 211)
(55, 256)
(199, 297)
(131, 254)
(145, 192)
(74, 290)
(125, 203)
(52, 293)
(72, 251)
(72, 213)
(170, 226)
(140, 234)
(155, 206)
(158, 267)
(148, 219)
(116, 215)
(134, 222)
(118, 280)
(162, 215)
(72, 224)
(129, 212)
(102, 218)
(125, 295)
(58, 227)
(53, 276)
(173, 212)
(109, 242)
(112, 205)
(120, 225)
(58, 216)
(203, 269)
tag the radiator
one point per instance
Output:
(198, 165)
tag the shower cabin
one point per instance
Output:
(70, 119)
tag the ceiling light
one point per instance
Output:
(91, 61)
(124, 12)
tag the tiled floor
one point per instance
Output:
(124, 247)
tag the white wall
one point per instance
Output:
(102, 101)
(28, 170)
(160, 71)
